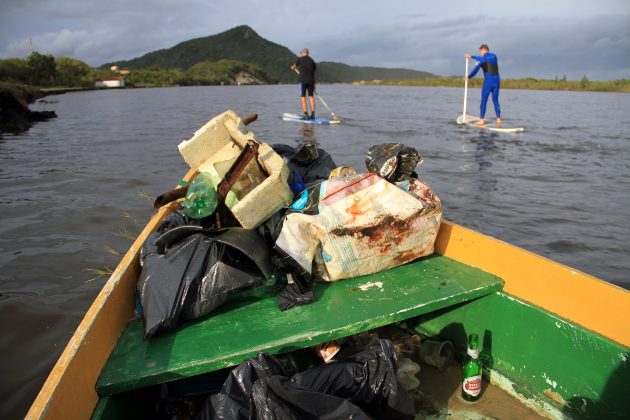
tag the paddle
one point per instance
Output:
(321, 100)
(463, 119)
(465, 90)
(326, 106)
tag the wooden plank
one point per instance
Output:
(249, 325)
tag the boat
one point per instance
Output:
(555, 339)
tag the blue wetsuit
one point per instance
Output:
(491, 83)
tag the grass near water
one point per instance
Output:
(622, 85)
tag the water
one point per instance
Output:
(71, 189)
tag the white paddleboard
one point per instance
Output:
(297, 118)
(470, 121)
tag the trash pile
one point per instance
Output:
(362, 386)
(370, 375)
(256, 214)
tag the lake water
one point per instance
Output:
(74, 188)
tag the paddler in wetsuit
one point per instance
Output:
(491, 82)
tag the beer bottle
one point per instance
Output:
(471, 384)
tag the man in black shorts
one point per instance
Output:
(306, 68)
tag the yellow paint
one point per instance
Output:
(578, 297)
(69, 392)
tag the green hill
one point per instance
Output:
(243, 44)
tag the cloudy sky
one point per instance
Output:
(532, 38)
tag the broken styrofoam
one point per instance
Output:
(261, 189)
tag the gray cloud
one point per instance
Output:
(598, 47)
(568, 40)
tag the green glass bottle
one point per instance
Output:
(471, 383)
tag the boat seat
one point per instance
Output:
(253, 323)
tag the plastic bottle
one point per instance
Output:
(406, 374)
(471, 383)
(201, 198)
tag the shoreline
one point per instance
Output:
(15, 114)
(616, 86)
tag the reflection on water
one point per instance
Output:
(485, 152)
(72, 189)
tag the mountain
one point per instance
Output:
(243, 44)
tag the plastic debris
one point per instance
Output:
(188, 271)
(407, 370)
(361, 387)
(393, 161)
(201, 198)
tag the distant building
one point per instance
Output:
(110, 82)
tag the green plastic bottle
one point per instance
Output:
(471, 382)
(201, 198)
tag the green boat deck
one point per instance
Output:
(253, 323)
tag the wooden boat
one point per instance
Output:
(558, 339)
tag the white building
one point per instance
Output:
(110, 82)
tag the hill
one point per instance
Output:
(243, 44)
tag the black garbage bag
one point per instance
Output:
(279, 397)
(368, 379)
(234, 399)
(393, 161)
(270, 228)
(291, 296)
(364, 386)
(188, 271)
(307, 163)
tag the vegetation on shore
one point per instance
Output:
(622, 85)
(202, 74)
(44, 70)
(15, 116)
(62, 73)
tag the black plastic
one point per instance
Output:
(393, 161)
(362, 387)
(307, 164)
(189, 271)
(292, 296)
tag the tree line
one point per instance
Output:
(44, 70)
(621, 85)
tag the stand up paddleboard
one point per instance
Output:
(470, 121)
(297, 118)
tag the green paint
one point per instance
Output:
(539, 351)
(137, 404)
(253, 324)
(114, 407)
